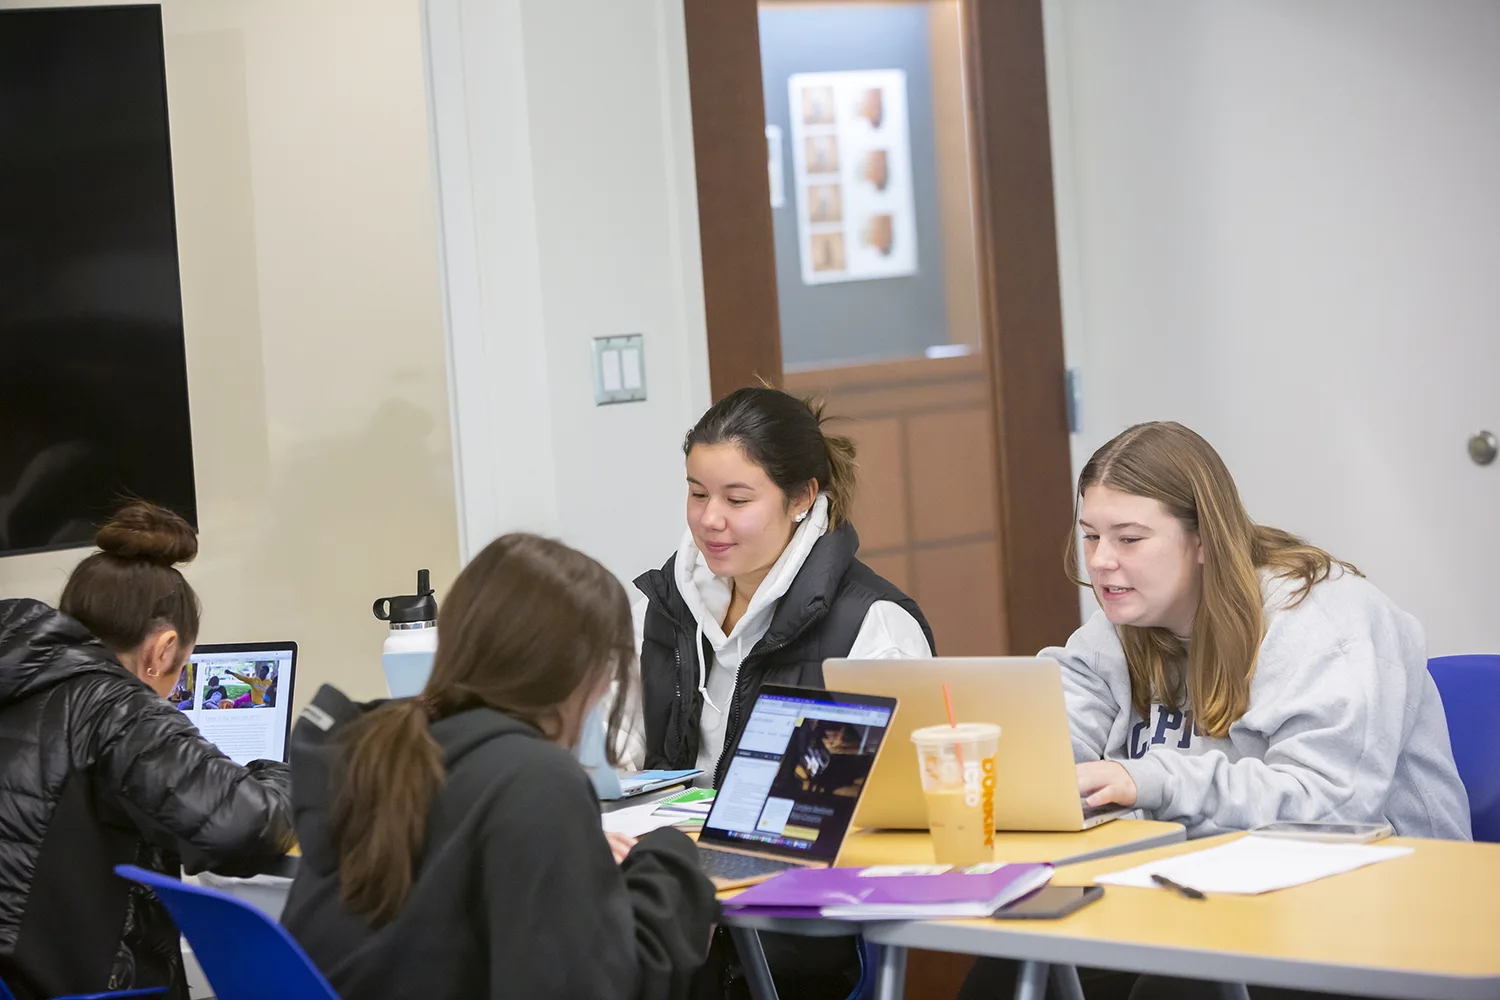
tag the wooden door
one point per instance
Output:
(965, 494)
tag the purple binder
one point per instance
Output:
(891, 892)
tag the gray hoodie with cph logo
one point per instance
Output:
(1344, 723)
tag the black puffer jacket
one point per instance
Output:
(97, 770)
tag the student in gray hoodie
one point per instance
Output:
(1236, 675)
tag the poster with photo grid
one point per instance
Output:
(852, 175)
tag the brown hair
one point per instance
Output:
(783, 435)
(528, 625)
(129, 589)
(1171, 464)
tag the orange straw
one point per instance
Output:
(952, 721)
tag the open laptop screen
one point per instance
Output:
(799, 767)
(239, 695)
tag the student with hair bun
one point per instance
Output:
(101, 769)
(764, 587)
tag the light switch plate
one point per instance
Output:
(619, 369)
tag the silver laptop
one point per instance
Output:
(795, 777)
(239, 695)
(1036, 781)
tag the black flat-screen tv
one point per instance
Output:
(93, 377)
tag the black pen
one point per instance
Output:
(1185, 890)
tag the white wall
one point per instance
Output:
(569, 212)
(1282, 227)
(313, 324)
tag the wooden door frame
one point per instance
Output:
(1023, 335)
(1022, 308)
(734, 193)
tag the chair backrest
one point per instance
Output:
(244, 953)
(1470, 689)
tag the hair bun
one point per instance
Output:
(148, 533)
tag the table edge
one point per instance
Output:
(831, 927)
(1164, 839)
(993, 940)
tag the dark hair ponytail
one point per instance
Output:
(393, 769)
(528, 625)
(130, 589)
(783, 435)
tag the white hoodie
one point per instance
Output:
(888, 632)
(1344, 722)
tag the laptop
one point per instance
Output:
(611, 785)
(794, 781)
(239, 695)
(1036, 780)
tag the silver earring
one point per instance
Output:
(802, 517)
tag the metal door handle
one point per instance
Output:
(1483, 448)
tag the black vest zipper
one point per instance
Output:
(676, 737)
(732, 731)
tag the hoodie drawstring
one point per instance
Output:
(703, 673)
(739, 646)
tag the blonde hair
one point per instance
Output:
(1211, 675)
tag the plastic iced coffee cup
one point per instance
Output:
(957, 764)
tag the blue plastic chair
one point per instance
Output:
(1470, 689)
(6, 994)
(224, 931)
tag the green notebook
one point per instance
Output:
(692, 805)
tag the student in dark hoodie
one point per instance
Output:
(99, 769)
(451, 843)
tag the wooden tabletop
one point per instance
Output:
(1423, 925)
(908, 847)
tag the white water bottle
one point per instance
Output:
(409, 648)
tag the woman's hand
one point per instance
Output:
(1105, 782)
(620, 844)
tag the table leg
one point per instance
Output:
(890, 975)
(1234, 991)
(753, 958)
(1031, 981)
(1065, 978)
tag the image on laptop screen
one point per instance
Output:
(798, 770)
(239, 695)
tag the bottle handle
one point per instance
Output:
(382, 609)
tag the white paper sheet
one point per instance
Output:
(1253, 865)
(638, 820)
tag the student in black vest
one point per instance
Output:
(764, 587)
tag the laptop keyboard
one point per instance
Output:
(728, 865)
(1093, 812)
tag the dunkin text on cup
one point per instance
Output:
(979, 786)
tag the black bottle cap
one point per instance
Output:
(409, 608)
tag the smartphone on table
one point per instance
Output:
(1051, 902)
(1333, 833)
